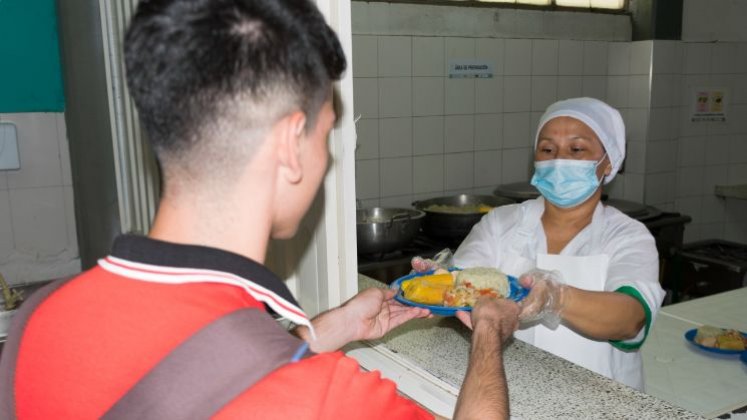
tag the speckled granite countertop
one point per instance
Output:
(541, 385)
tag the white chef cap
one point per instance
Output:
(605, 121)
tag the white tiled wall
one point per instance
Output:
(707, 153)
(675, 163)
(422, 134)
(481, 131)
(472, 135)
(37, 218)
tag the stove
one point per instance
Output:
(709, 267)
(731, 254)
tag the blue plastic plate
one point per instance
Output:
(516, 293)
(690, 336)
(743, 357)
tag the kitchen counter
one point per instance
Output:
(541, 385)
(676, 371)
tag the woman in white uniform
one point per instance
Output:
(593, 271)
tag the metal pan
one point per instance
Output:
(383, 230)
(454, 226)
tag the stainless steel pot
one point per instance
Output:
(383, 230)
(455, 226)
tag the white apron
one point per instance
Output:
(583, 272)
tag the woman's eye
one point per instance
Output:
(577, 149)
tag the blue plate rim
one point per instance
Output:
(449, 310)
(690, 338)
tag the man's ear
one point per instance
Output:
(291, 133)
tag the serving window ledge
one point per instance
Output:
(427, 358)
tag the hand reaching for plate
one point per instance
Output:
(503, 314)
(374, 312)
(368, 315)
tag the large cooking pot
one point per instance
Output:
(383, 230)
(452, 218)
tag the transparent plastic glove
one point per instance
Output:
(442, 260)
(545, 300)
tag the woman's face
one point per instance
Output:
(569, 138)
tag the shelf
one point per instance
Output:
(738, 191)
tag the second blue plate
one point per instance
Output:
(690, 336)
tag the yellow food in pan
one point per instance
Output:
(464, 209)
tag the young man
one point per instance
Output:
(236, 99)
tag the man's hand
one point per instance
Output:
(374, 312)
(366, 316)
(484, 393)
(501, 314)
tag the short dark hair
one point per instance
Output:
(200, 67)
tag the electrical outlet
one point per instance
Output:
(9, 159)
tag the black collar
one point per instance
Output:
(145, 250)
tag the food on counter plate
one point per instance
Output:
(471, 208)
(458, 288)
(720, 338)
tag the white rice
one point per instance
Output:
(484, 278)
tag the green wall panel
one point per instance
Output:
(30, 74)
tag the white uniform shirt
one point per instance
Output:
(515, 232)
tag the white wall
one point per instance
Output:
(423, 135)
(629, 90)
(713, 54)
(714, 20)
(710, 153)
(37, 218)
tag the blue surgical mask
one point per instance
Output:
(566, 182)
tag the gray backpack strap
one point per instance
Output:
(10, 349)
(211, 368)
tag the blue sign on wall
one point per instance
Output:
(30, 72)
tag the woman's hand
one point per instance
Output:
(598, 315)
(441, 261)
(545, 300)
